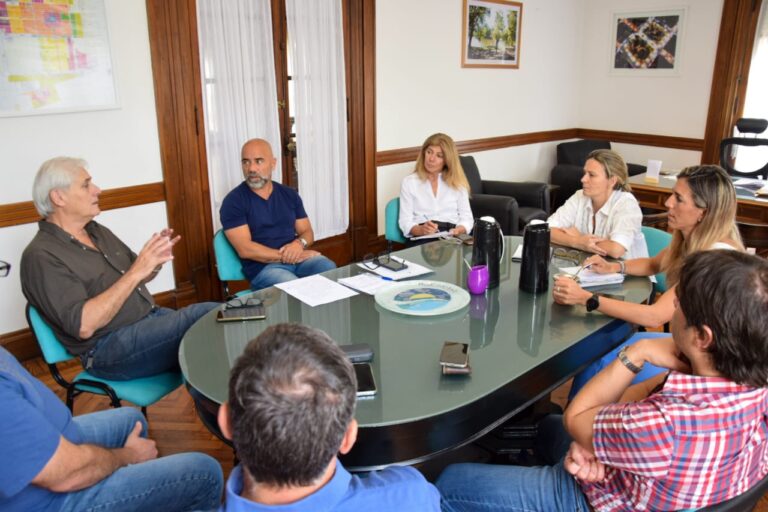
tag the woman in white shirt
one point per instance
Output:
(435, 197)
(603, 217)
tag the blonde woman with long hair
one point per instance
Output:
(702, 213)
(435, 196)
(603, 217)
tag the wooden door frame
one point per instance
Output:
(178, 97)
(738, 26)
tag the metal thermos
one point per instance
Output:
(534, 269)
(488, 247)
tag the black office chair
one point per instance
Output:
(743, 502)
(571, 157)
(729, 147)
(512, 204)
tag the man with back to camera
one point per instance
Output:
(701, 439)
(91, 288)
(99, 461)
(266, 224)
(290, 411)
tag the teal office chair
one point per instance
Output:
(656, 240)
(228, 265)
(143, 392)
(391, 225)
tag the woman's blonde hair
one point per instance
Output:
(712, 190)
(453, 172)
(614, 165)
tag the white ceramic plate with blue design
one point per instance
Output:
(423, 298)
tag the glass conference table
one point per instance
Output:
(521, 347)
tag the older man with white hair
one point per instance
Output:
(90, 286)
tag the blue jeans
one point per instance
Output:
(147, 347)
(486, 487)
(185, 481)
(275, 273)
(590, 371)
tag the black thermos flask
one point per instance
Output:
(534, 269)
(487, 247)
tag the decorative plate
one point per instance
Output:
(423, 298)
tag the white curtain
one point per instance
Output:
(317, 53)
(239, 92)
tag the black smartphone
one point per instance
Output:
(455, 354)
(358, 352)
(366, 386)
(242, 314)
(393, 265)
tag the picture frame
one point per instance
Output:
(491, 34)
(647, 42)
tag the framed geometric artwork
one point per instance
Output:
(647, 42)
(491, 34)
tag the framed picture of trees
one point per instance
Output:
(491, 34)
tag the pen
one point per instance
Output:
(386, 278)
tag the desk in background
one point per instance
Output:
(750, 208)
(522, 347)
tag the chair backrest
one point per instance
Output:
(391, 222)
(727, 163)
(473, 175)
(52, 349)
(656, 240)
(575, 153)
(228, 264)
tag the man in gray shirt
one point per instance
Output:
(91, 288)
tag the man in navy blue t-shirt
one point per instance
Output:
(266, 224)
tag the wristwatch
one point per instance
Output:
(593, 302)
(626, 362)
(303, 242)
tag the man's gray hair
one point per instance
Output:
(55, 174)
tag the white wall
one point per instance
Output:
(563, 82)
(121, 146)
(421, 87)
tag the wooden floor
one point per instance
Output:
(174, 425)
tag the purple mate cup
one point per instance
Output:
(477, 279)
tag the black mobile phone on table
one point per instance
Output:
(393, 265)
(454, 354)
(366, 385)
(241, 314)
(358, 352)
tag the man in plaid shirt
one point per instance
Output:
(702, 438)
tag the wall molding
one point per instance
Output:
(15, 214)
(22, 343)
(405, 155)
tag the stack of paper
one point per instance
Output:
(587, 278)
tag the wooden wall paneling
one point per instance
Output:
(738, 26)
(359, 23)
(15, 214)
(178, 97)
(643, 139)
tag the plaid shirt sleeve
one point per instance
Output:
(634, 437)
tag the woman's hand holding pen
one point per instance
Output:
(598, 265)
(425, 228)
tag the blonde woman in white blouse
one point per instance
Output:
(603, 217)
(435, 197)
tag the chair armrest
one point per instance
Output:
(501, 208)
(527, 193)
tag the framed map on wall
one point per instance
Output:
(54, 57)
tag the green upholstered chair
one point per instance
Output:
(143, 391)
(391, 225)
(656, 240)
(228, 265)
